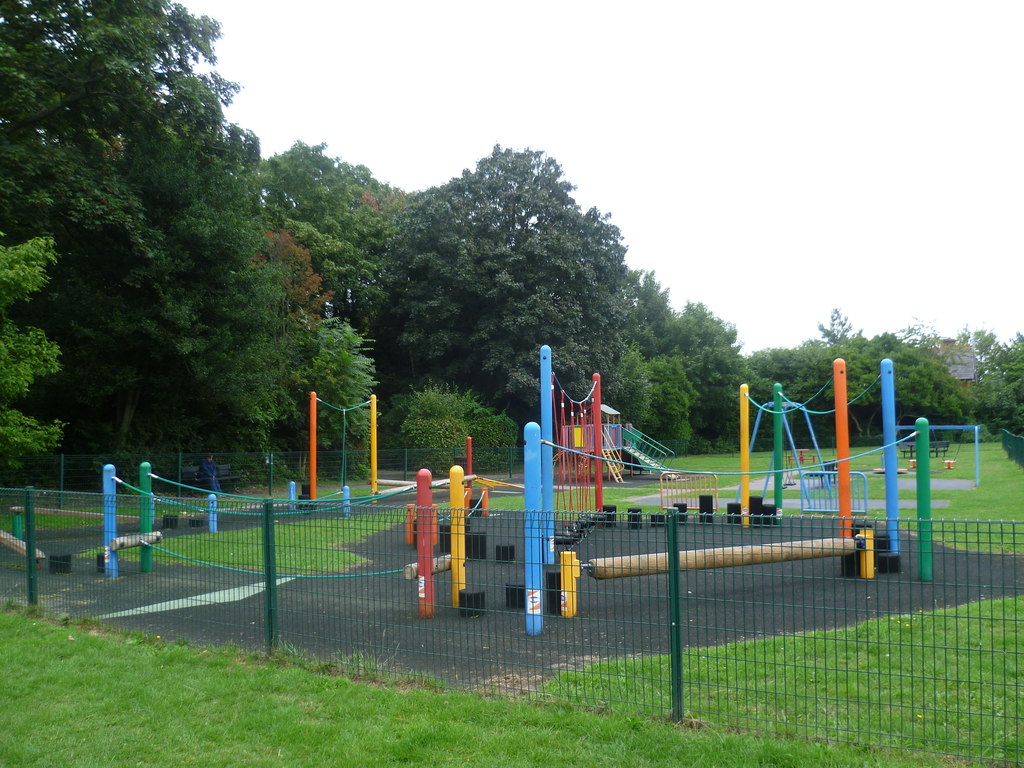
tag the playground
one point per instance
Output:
(371, 609)
(603, 560)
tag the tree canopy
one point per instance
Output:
(202, 291)
(486, 268)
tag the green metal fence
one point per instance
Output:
(799, 644)
(261, 472)
(1014, 447)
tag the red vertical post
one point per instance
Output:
(598, 445)
(426, 522)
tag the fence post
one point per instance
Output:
(270, 577)
(146, 514)
(31, 577)
(675, 615)
(270, 474)
(924, 499)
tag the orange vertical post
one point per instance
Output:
(843, 448)
(312, 445)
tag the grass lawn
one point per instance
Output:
(78, 695)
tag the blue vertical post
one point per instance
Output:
(109, 519)
(211, 512)
(977, 459)
(291, 495)
(533, 530)
(889, 462)
(547, 453)
(346, 502)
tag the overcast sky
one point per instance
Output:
(772, 160)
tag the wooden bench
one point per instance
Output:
(190, 476)
(936, 448)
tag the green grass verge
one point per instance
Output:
(898, 680)
(77, 695)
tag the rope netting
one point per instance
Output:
(576, 461)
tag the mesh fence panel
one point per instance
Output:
(798, 644)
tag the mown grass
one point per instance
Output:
(947, 679)
(78, 695)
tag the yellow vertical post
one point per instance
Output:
(457, 517)
(866, 556)
(569, 571)
(373, 445)
(745, 453)
(312, 445)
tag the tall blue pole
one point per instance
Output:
(889, 462)
(547, 453)
(533, 530)
(109, 519)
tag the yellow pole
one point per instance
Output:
(569, 566)
(457, 511)
(312, 445)
(866, 556)
(373, 445)
(745, 453)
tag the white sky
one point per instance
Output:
(772, 160)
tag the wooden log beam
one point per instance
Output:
(135, 540)
(721, 557)
(442, 563)
(13, 542)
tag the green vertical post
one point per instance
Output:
(31, 577)
(270, 474)
(922, 449)
(60, 473)
(179, 468)
(18, 527)
(777, 426)
(146, 513)
(675, 616)
(270, 577)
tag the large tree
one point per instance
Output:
(25, 353)
(342, 215)
(490, 266)
(113, 142)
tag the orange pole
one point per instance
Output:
(410, 525)
(843, 449)
(312, 445)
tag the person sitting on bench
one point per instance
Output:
(207, 474)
